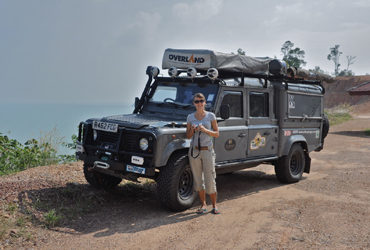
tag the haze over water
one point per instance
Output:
(26, 121)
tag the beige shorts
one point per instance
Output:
(203, 169)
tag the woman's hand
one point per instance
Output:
(213, 133)
(202, 129)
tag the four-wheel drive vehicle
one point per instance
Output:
(264, 114)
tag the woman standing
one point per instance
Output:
(202, 127)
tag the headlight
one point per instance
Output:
(144, 144)
(95, 135)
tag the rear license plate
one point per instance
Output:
(105, 126)
(135, 169)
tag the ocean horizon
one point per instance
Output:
(24, 121)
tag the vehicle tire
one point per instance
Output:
(175, 184)
(100, 180)
(290, 168)
(325, 127)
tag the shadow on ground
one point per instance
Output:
(352, 133)
(130, 207)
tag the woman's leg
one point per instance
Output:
(213, 199)
(202, 197)
(197, 170)
(208, 160)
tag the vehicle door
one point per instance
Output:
(231, 144)
(262, 124)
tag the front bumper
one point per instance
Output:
(113, 163)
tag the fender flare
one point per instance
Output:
(293, 139)
(173, 146)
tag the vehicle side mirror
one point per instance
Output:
(225, 111)
(136, 101)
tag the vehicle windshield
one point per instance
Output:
(181, 94)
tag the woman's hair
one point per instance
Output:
(198, 95)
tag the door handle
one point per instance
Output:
(266, 133)
(243, 135)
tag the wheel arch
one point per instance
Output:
(301, 140)
(292, 140)
(173, 148)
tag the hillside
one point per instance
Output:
(336, 92)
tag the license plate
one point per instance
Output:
(135, 169)
(105, 126)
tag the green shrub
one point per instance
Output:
(52, 218)
(15, 156)
(339, 114)
(338, 118)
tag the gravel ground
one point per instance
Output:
(329, 208)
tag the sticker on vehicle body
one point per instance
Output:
(80, 148)
(137, 160)
(306, 132)
(230, 144)
(210, 97)
(258, 142)
(315, 132)
(287, 133)
(135, 169)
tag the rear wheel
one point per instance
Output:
(175, 184)
(325, 127)
(290, 168)
(100, 180)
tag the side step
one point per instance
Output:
(231, 166)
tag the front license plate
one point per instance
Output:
(135, 169)
(105, 126)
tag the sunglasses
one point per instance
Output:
(198, 101)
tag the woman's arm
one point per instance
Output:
(213, 133)
(189, 130)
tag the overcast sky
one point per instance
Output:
(96, 51)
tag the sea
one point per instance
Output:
(24, 121)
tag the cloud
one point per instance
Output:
(362, 3)
(146, 23)
(198, 10)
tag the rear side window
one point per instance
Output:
(258, 104)
(235, 101)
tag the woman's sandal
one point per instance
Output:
(215, 211)
(201, 210)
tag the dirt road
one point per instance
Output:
(329, 208)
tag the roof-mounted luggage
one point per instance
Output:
(228, 64)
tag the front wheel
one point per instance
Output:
(175, 184)
(290, 168)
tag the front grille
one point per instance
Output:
(107, 137)
(130, 142)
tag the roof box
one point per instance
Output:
(205, 59)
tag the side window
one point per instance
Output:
(235, 100)
(258, 104)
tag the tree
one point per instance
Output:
(346, 72)
(317, 70)
(240, 51)
(350, 61)
(334, 56)
(294, 57)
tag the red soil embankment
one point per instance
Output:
(336, 92)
